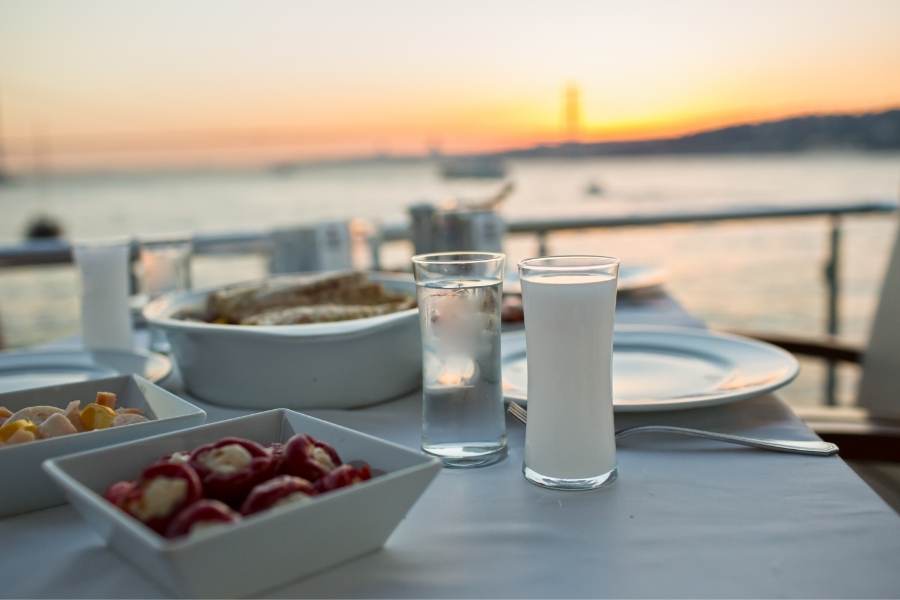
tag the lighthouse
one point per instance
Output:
(572, 112)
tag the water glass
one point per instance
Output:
(104, 270)
(459, 294)
(163, 267)
(569, 304)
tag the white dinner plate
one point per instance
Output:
(673, 368)
(631, 279)
(39, 368)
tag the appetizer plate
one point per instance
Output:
(38, 368)
(673, 368)
(631, 279)
(270, 548)
(28, 488)
(346, 364)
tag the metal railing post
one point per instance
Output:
(542, 242)
(375, 249)
(832, 279)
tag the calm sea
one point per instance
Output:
(765, 275)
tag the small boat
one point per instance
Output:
(473, 167)
(43, 227)
(284, 168)
(594, 189)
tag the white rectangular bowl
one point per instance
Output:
(28, 488)
(265, 550)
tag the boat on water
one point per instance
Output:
(594, 189)
(473, 167)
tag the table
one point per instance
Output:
(686, 518)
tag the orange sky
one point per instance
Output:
(105, 83)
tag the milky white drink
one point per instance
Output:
(105, 314)
(569, 332)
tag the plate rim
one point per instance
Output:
(165, 363)
(701, 401)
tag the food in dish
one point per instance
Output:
(200, 514)
(342, 477)
(512, 311)
(158, 495)
(306, 457)
(222, 482)
(336, 297)
(231, 468)
(42, 422)
(279, 490)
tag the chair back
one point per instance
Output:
(879, 389)
(325, 246)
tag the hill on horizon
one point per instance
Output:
(866, 131)
(870, 131)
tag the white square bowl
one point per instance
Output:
(22, 463)
(265, 550)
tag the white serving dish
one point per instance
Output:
(27, 487)
(268, 549)
(346, 364)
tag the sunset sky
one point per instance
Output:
(106, 82)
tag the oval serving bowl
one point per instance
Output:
(343, 364)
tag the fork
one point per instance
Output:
(810, 448)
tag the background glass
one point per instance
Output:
(569, 306)
(459, 296)
(105, 315)
(163, 267)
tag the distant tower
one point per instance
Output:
(3, 175)
(572, 112)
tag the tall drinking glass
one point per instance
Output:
(463, 420)
(105, 315)
(569, 304)
(163, 267)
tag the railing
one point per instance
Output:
(59, 252)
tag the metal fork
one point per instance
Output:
(811, 448)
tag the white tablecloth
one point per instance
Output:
(686, 518)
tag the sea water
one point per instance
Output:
(569, 333)
(463, 418)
